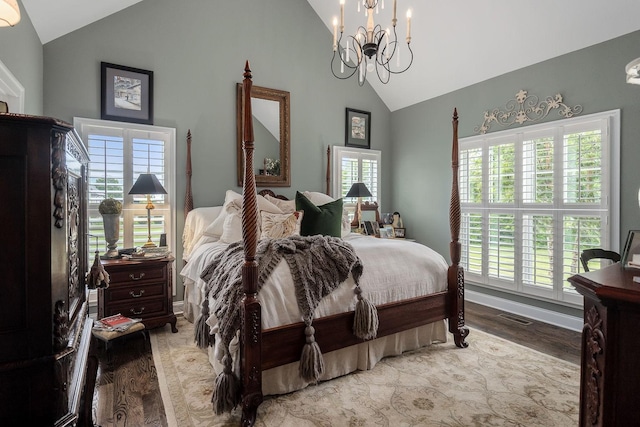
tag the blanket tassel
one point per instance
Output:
(311, 360)
(365, 322)
(202, 333)
(226, 392)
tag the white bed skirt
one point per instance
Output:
(364, 356)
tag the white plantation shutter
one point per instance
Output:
(533, 199)
(119, 153)
(352, 165)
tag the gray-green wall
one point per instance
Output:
(197, 50)
(421, 169)
(21, 53)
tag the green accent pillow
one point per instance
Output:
(325, 219)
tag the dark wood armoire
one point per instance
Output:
(47, 371)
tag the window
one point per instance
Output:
(533, 199)
(119, 153)
(352, 165)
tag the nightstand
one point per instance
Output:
(139, 289)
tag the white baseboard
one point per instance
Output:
(536, 313)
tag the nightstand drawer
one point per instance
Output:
(138, 273)
(139, 309)
(133, 291)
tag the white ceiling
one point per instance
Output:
(456, 44)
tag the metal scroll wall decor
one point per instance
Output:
(526, 108)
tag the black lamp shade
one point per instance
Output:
(358, 189)
(147, 183)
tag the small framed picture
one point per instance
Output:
(399, 232)
(631, 253)
(387, 232)
(376, 228)
(127, 94)
(368, 228)
(358, 129)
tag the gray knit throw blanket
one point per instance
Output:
(318, 265)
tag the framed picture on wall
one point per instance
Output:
(358, 128)
(127, 94)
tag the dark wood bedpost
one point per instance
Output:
(250, 340)
(328, 178)
(456, 272)
(188, 197)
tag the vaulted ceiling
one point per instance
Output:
(456, 44)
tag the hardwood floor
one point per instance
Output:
(543, 337)
(127, 391)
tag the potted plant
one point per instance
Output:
(110, 209)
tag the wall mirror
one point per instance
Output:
(271, 158)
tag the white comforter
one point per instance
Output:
(394, 270)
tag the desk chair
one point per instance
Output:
(597, 253)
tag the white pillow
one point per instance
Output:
(320, 199)
(195, 225)
(228, 225)
(286, 206)
(215, 229)
(232, 228)
(277, 226)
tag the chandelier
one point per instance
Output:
(371, 48)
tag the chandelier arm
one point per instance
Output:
(392, 43)
(410, 61)
(347, 76)
(382, 80)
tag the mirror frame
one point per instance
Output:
(283, 99)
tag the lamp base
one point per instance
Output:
(149, 244)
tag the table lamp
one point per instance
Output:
(359, 190)
(147, 183)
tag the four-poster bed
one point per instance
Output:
(265, 348)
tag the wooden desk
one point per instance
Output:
(610, 369)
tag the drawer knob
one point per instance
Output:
(136, 312)
(133, 294)
(133, 277)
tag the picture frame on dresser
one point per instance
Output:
(127, 94)
(357, 128)
(631, 248)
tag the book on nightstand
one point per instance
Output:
(117, 322)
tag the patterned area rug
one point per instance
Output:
(494, 382)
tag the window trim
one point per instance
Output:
(612, 156)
